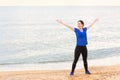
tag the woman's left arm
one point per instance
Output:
(92, 23)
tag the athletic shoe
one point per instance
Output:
(87, 72)
(72, 73)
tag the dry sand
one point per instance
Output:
(98, 73)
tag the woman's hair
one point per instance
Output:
(81, 21)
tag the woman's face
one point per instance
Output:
(80, 25)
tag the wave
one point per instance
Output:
(62, 56)
(61, 65)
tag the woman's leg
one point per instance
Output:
(84, 56)
(76, 57)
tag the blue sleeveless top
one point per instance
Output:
(81, 37)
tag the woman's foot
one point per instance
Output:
(72, 73)
(87, 72)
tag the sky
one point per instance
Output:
(59, 2)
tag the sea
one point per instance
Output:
(31, 39)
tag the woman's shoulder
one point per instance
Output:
(75, 29)
(85, 28)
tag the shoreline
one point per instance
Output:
(61, 65)
(98, 73)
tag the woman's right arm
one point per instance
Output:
(68, 26)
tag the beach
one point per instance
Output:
(98, 73)
(33, 46)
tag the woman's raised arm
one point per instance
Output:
(92, 23)
(68, 26)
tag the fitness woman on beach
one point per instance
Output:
(81, 36)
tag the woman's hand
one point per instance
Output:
(96, 19)
(59, 21)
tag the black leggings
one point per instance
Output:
(78, 50)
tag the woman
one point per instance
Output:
(81, 36)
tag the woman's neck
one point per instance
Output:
(81, 29)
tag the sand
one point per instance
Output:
(98, 73)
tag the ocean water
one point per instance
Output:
(31, 35)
